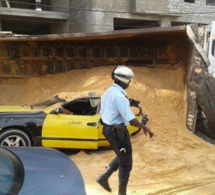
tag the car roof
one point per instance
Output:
(48, 171)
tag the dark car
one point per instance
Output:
(37, 170)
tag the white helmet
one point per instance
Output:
(122, 73)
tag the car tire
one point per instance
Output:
(14, 137)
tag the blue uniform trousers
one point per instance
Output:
(123, 150)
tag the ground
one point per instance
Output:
(175, 161)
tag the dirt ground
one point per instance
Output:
(174, 162)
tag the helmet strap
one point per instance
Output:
(121, 84)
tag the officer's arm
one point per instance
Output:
(146, 130)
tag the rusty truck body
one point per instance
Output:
(168, 47)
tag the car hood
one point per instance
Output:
(48, 171)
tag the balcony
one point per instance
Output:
(33, 16)
(33, 9)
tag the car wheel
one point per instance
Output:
(14, 137)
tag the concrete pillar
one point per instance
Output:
(165, 22)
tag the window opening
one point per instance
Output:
(210, 2)
(189, 1)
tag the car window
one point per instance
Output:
(11, 173)
(81, 106)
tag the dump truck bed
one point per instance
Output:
(50, 54)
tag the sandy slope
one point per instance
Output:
(174, 162)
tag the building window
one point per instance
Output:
(124, 23)
(210, 2)
(189, 1)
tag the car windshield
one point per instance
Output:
(48, 102)
(11, 173)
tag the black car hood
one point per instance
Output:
(21, 118)
(48, 172)
(26, 114)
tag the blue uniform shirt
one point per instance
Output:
(115, 106)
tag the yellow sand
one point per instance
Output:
(174, 162)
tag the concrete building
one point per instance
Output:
(34, 17)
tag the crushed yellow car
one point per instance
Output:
(57, 123)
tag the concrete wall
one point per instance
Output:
(98, 15)
(187, 11)
(91, 15)
(153, 6)
(181, 11)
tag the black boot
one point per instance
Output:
(103, 179)
(122, 189)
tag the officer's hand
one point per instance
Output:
(146, 131)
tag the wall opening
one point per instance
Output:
(210, 2)
(189, 1)
(21, 27)
(122, 24)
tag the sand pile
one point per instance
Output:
(173, 162)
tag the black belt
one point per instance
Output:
(116, 126)
(118, 129)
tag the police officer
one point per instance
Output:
(116, 114)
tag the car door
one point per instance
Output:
(70, 131)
